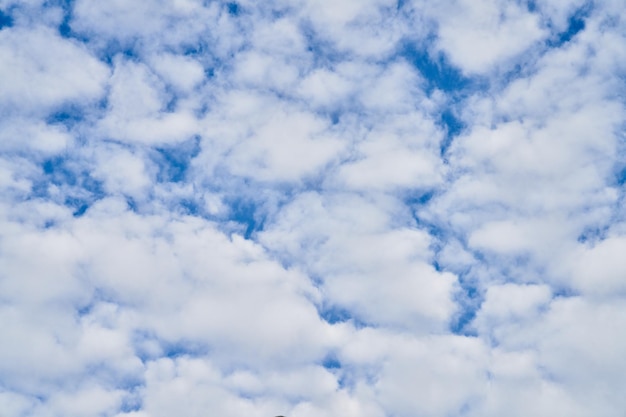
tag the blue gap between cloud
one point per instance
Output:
(416, 202)
(322, 51)
(132, 204)
(172, 101)
(79, 205)
(233, 9)
(331, 362)
(190, 207)
(82, 189)
(469, 300)
(98, 296)
(116, 48)
(436, 70)
(64, 28)
(130, 383)
(575, 24)
(102, 371)
(66, 6)
(620, 177)
(6, 20)
(531, 6)
(439, 74)
(336, 314)
(563, 292)
(174, 161)
(131, 403)
(245, 212)
(184, 348)
(141, 338)
(452, 126)
(418, 198)
(439, 233)
(94, 191)
(593, 234)
(67, 115)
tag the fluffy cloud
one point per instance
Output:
(312, 208)
(46, 71)
(478, 35)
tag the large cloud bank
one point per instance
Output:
(312, 208)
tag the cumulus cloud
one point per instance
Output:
(312, 208)
(478, 35)
(44, 70)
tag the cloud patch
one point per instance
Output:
(312, 208)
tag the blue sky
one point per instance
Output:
(306, 208)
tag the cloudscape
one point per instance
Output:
(312, 208)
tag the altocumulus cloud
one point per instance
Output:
(349, 208)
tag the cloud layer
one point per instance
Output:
(312, 208)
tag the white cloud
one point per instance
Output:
(359, 27)
(22, 134)
(600, 270)
(122, 171)
(478, 35)
(271, 140)
(183, 73)
(264, 70)
(380, 273)
(172, 23)
(323, 87)
(511, 302)
(438, 376)
(558, 12)
(387, 160)
(45, 71)
(86, 402)
(265, 209)
(137, 109)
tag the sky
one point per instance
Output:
(312, 208)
